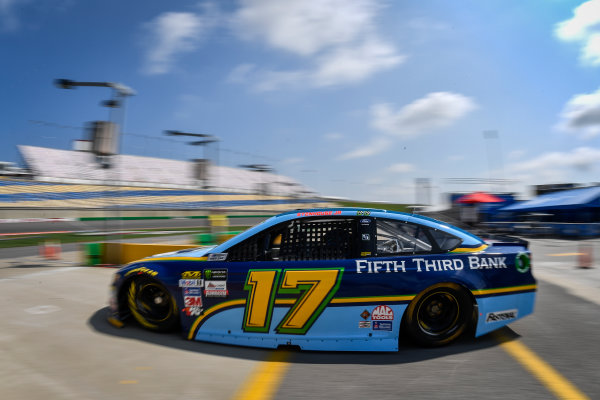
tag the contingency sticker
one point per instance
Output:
(382, 313)
(382, 325)
(193, 305)
(217, 257)
(501, 315)
(215, 289)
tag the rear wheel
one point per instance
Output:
(152, 305)
(439, 315)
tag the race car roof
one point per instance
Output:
(466, 237)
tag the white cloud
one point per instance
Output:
(8, 19)
(337, 39)
(241, 73)
(581, 114)
(354, 64)
(304, 27)
(376, 146)
(556, 166)
(583, 27)
(401, 168)
(516, 154)
(172, 33)
(436, 110)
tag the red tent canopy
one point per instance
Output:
(479, 197)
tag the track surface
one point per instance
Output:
(56, 344)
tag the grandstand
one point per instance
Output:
(63, 179)
(65, 166)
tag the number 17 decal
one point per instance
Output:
(315, 288)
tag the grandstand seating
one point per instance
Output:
(65, 166)
(75, 180)
(31, 194)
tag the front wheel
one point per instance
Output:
(439, 315)
(152, 305)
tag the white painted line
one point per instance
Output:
(46, 309)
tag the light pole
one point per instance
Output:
(207, 139)
(120, 93)
(263, 189)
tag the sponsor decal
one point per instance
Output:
(217, 257)
(193, 311)
(382, 313)
(501, 315)
(317, 213)
(215, 274)
(522, 262)
(421, 264)
(191, 275)
(191, 283)
(365, 314)
(193, 306)
(364, 324)
(365, 253)
(363, 213)
(215, 289)
(365, 221)
(379, 266)
(487, 262)
(192, 301)
(382, 325)
(142, 270)
(192, 291)
(366, 236)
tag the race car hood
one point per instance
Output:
(194, 252)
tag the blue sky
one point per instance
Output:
(353, 98)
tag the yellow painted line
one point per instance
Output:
(566, 254)
(263, 382)
(544, 372)
(129, 382)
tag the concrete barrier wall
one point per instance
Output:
(123, 253)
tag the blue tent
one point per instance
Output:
(564, 200)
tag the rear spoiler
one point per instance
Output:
(506, 240)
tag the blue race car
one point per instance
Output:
(331, 279)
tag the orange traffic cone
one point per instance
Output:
(50, 250)
(585, 256)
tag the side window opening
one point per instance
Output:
(299, 240)
(445, 241)
(251, 249)
(322, 239)
(401, 238)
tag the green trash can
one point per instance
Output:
(205, 239)
(93, 253)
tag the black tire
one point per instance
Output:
(152, 305)
(439, 315)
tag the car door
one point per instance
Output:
(284, 279)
